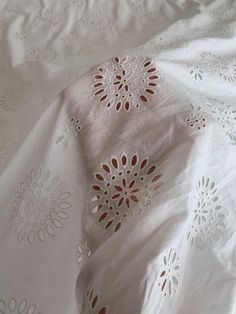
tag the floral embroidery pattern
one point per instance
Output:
(48, 18)
(195, 72)
(21, 307)
(91, 304)
(8, 142)
(45, 54)
(122, 189)
(82, 254)
(225, 117)
(16, 97)
(195, 118)
(45, 19)
(125, 82)
(208, 217)
(169, 274)
(224, 67)
(40, 206)
(71, 127)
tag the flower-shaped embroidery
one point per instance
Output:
(196, 72)
(40, 206)
(82, 253)
(71, 127)
(225, 117)
(122, 189)
(48, 17)
(16, 97)
(91, 304)
(195, 118)
(8, 143)
(169, 273)
(226, 68)
(208, 218)
(125, 82)
(12, 306)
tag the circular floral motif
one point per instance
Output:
(122, 189)
(208, 217)
(21, 307)
(125, 82)
(82, 253)
(196, 119)
(169, 274)
(225, 117)
(40, 206)
(16, 97)
(91, 304)
(225, 67)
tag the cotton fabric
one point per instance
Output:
(117, 157)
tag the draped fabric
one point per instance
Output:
(117, 157)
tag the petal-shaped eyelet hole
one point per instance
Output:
(151, 169)
(143, 163)
(117, 227)
(106, 168)
(150, 91)
(102, 217)
(147, 64)
(117, 59)
(151, 70)
(143, 98)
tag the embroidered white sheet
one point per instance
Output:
(117, 157)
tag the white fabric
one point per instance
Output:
(117, 157)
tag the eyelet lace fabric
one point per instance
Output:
(125, 83)
(123, 188)
(40, 206)
(117, 157)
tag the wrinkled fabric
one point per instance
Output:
(117, 157)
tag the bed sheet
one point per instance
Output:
(117, 156)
